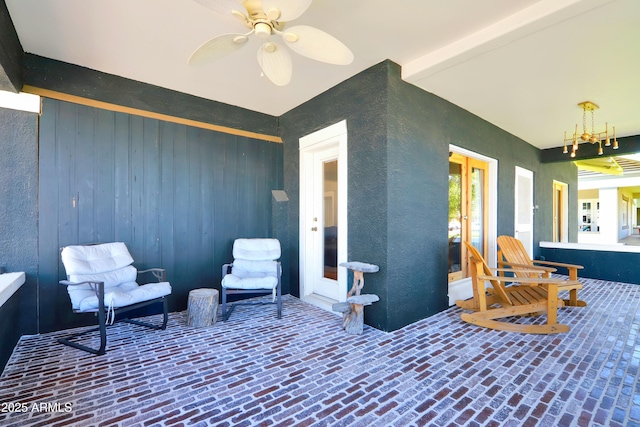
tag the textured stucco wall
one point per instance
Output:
(362, 101)
(398, 145)
(18, 223)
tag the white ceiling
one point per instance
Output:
(523, 65)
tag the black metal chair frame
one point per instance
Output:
(227, 269)
(101, 312)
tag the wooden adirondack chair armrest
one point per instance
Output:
(559, 264)
(529, 269)
(159, 273)
(528, 266)
(562, 284)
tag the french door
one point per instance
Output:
(323, 216)
(468, 211)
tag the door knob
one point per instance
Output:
(314, 229)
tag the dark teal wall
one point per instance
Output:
(418, 167)
(176, 195)
(362, 101)
(398, 148)
(45, 73)
(18, 223)
(628, 145)
(602, 265)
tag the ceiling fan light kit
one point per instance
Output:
(594, 137)
(267, 18)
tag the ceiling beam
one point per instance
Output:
(529, 20)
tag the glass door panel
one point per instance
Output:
(330, 208)
(468, 211)
(477, 209)
(455, 221)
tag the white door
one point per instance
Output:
(323, 218)
(524, 208)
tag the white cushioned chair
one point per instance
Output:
(255, 270)
(101, 280)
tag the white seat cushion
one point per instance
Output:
(122, 295)
(247, 274)
(231, 281)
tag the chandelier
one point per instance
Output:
(593, 137)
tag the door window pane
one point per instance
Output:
(330, 209)
(455, 217)
(477, 209)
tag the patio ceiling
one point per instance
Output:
(523, 65)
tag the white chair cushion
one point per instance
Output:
(256, 249)
(247, 274)
(231, 281)
(121, 296)
(95, 258)
(244, 268)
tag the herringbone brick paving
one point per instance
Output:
(303, 370)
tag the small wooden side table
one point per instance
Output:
(202, 307)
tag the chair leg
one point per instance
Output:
(102, 328)
(279, 297)
(165, 314)
(165, 318)
(224, 304)
(102, 322)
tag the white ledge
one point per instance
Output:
(614, 247)
(9, 284)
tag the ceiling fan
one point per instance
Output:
(266, 18)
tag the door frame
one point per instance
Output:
(461, 289)
(561, 209)
(334, 135)
(519, 227)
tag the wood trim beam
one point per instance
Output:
(47, 93)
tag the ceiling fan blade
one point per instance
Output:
(316, 44)
(288, 9)
(275, 62)
(226, 7)
(216, 48)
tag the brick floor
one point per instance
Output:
(303, 370)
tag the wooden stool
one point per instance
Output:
(353, 310)
(202, 308)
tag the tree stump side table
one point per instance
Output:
(353, 310)
(202, 307)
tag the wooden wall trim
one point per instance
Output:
(47, 93)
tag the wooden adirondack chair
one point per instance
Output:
(512, 254)
(500, 302)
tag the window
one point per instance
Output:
(589, 213)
